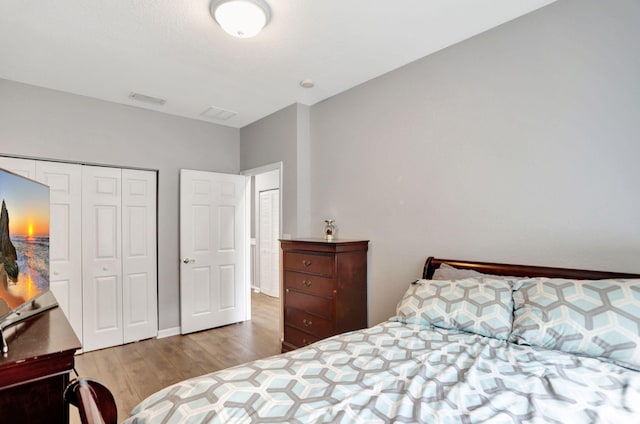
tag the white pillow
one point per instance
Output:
(448, 272)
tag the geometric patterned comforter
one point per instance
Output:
(397, 373)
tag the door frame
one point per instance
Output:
(261, 170)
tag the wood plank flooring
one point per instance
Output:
(134, 371)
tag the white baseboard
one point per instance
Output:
(168, 332)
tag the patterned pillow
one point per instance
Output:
(479, 305)
(599, 318)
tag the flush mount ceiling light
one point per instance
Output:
(241, 18)
(307, 83)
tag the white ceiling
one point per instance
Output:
(174, 50)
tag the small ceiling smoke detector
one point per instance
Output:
(217, 114)
(307, 83)
(147, 99)
(241, 18)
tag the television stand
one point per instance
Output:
(34, 373)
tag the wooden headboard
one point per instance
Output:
(520, 270)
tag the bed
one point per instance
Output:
(471, 342)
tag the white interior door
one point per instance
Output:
(139, 263)
(65, 240)
(102, 263)
(269, 228)
(214, 286)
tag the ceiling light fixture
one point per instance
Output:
(241, 18)
(307, 83)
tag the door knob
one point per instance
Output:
(188, 261)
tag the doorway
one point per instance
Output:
(267, 222)
(266, 229)
(215, 201)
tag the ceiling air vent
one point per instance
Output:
(218, 114)
(147, 99)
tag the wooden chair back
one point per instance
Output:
(94, 401)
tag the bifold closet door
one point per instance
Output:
(24, 167)
(119, 256)
(103, 248)
(65, 251)
(139, 263)
(102, 259)
(65, 241)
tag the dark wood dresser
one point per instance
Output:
(35, 371)
(325, 289)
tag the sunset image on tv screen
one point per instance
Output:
(24, 240)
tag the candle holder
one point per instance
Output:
(329, 229)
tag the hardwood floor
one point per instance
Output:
(134, 371)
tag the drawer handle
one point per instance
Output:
(307, 323)
(306, 283)
(306, 263)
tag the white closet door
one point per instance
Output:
(65, 248)
(102, 260)
(24, 167)
(65, 254)
(140, 318)
(269, 210)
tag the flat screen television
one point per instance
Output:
(24, 245)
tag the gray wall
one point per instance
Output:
(273, 139)
(49, 124)
(520, 145)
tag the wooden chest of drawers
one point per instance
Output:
(325, 289)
